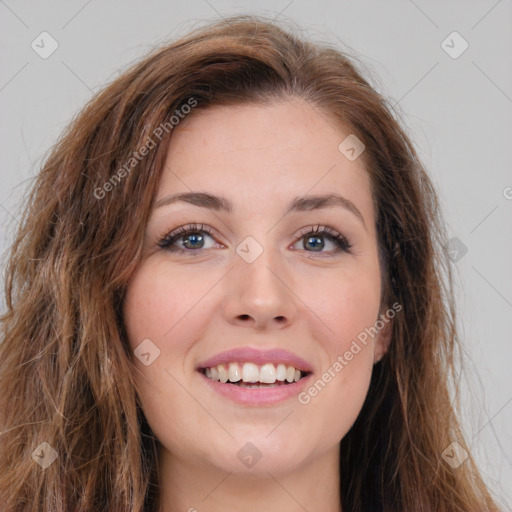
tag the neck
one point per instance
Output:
(193, 486)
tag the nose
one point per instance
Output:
(260, 295)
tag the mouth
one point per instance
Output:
(252, 376)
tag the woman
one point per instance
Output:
(228, 292)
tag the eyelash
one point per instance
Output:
(165, 242)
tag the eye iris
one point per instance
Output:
(313, 240)
(194, 238)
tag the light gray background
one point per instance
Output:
(458, 112)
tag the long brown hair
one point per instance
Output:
(67, 376)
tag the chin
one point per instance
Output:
(256, 453)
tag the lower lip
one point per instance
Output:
(257, 396)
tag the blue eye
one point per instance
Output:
(191, 238)
(314, 238)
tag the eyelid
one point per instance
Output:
(317, 228)
(341, 241)
(182, 230)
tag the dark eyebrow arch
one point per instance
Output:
(300, 204)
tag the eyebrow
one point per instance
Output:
(299, 204)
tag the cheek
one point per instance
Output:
(349, 307)
(348, 304)
(157, 306)
(160, 307)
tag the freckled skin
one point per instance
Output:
(195, 306)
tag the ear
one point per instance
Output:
(382, 341)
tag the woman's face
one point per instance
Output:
(257, 293)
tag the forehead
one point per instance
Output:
(270, 152)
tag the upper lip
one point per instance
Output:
(257, 356)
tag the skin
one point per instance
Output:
(193, 306)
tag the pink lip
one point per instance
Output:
(252, 355)
(257, 396)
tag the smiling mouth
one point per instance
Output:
(250, 375)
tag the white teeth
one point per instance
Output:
(252, 373)
(281, 372)
(223, 373)
(234, 373)
(268, 374)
